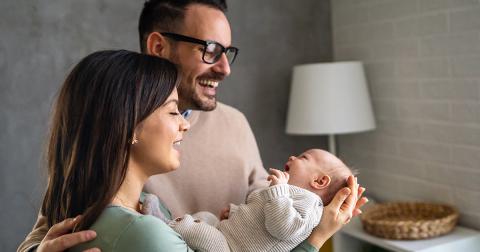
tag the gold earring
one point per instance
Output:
(135, 140)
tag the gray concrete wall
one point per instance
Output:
(422, 60)
(40, 41)
(273, 36)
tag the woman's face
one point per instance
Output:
(158, 137)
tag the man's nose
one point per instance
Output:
(222, 66)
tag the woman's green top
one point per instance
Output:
(120, 229)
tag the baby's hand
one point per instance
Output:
(225, 213)
(277, 177)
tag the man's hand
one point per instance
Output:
(59, 238)
(277, 177)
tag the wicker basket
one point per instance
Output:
(409, 220)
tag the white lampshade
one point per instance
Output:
(329, 98)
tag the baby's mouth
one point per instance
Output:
(177, 143)
(287, 168)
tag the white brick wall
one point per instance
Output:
(422, 60)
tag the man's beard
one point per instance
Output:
(208, 105)
(190, 99)
(188, 96)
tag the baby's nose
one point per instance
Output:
(291, 158)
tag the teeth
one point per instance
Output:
(177, 142)
(209, 83)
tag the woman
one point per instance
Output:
(116, 123)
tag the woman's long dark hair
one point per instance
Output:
(101, 101)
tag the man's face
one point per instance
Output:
(199, 80)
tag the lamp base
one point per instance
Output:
(332, 146)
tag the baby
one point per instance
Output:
(276, 218)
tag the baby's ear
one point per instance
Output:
(321, 182)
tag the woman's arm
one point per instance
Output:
(148, 233)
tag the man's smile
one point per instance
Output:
(208, 83)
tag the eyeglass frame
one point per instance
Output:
(205, 43)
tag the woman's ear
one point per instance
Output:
(134, 139)
(136, 133)
(321, 182)
(157, 45)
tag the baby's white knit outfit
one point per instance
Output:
(277, 218)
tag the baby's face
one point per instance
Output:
(310, 166)
(304, 168)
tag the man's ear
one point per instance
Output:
(157, 45)
(321, 182)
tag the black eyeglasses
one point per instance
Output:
(212, 50)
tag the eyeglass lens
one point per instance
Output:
(231, 53)
(213, 52)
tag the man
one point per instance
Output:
(218, 166)
(220, 158)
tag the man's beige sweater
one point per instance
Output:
(220, 164)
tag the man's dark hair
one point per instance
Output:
(167, 15)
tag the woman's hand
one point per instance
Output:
(343, 207)
(59, 238)
(360, 202)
